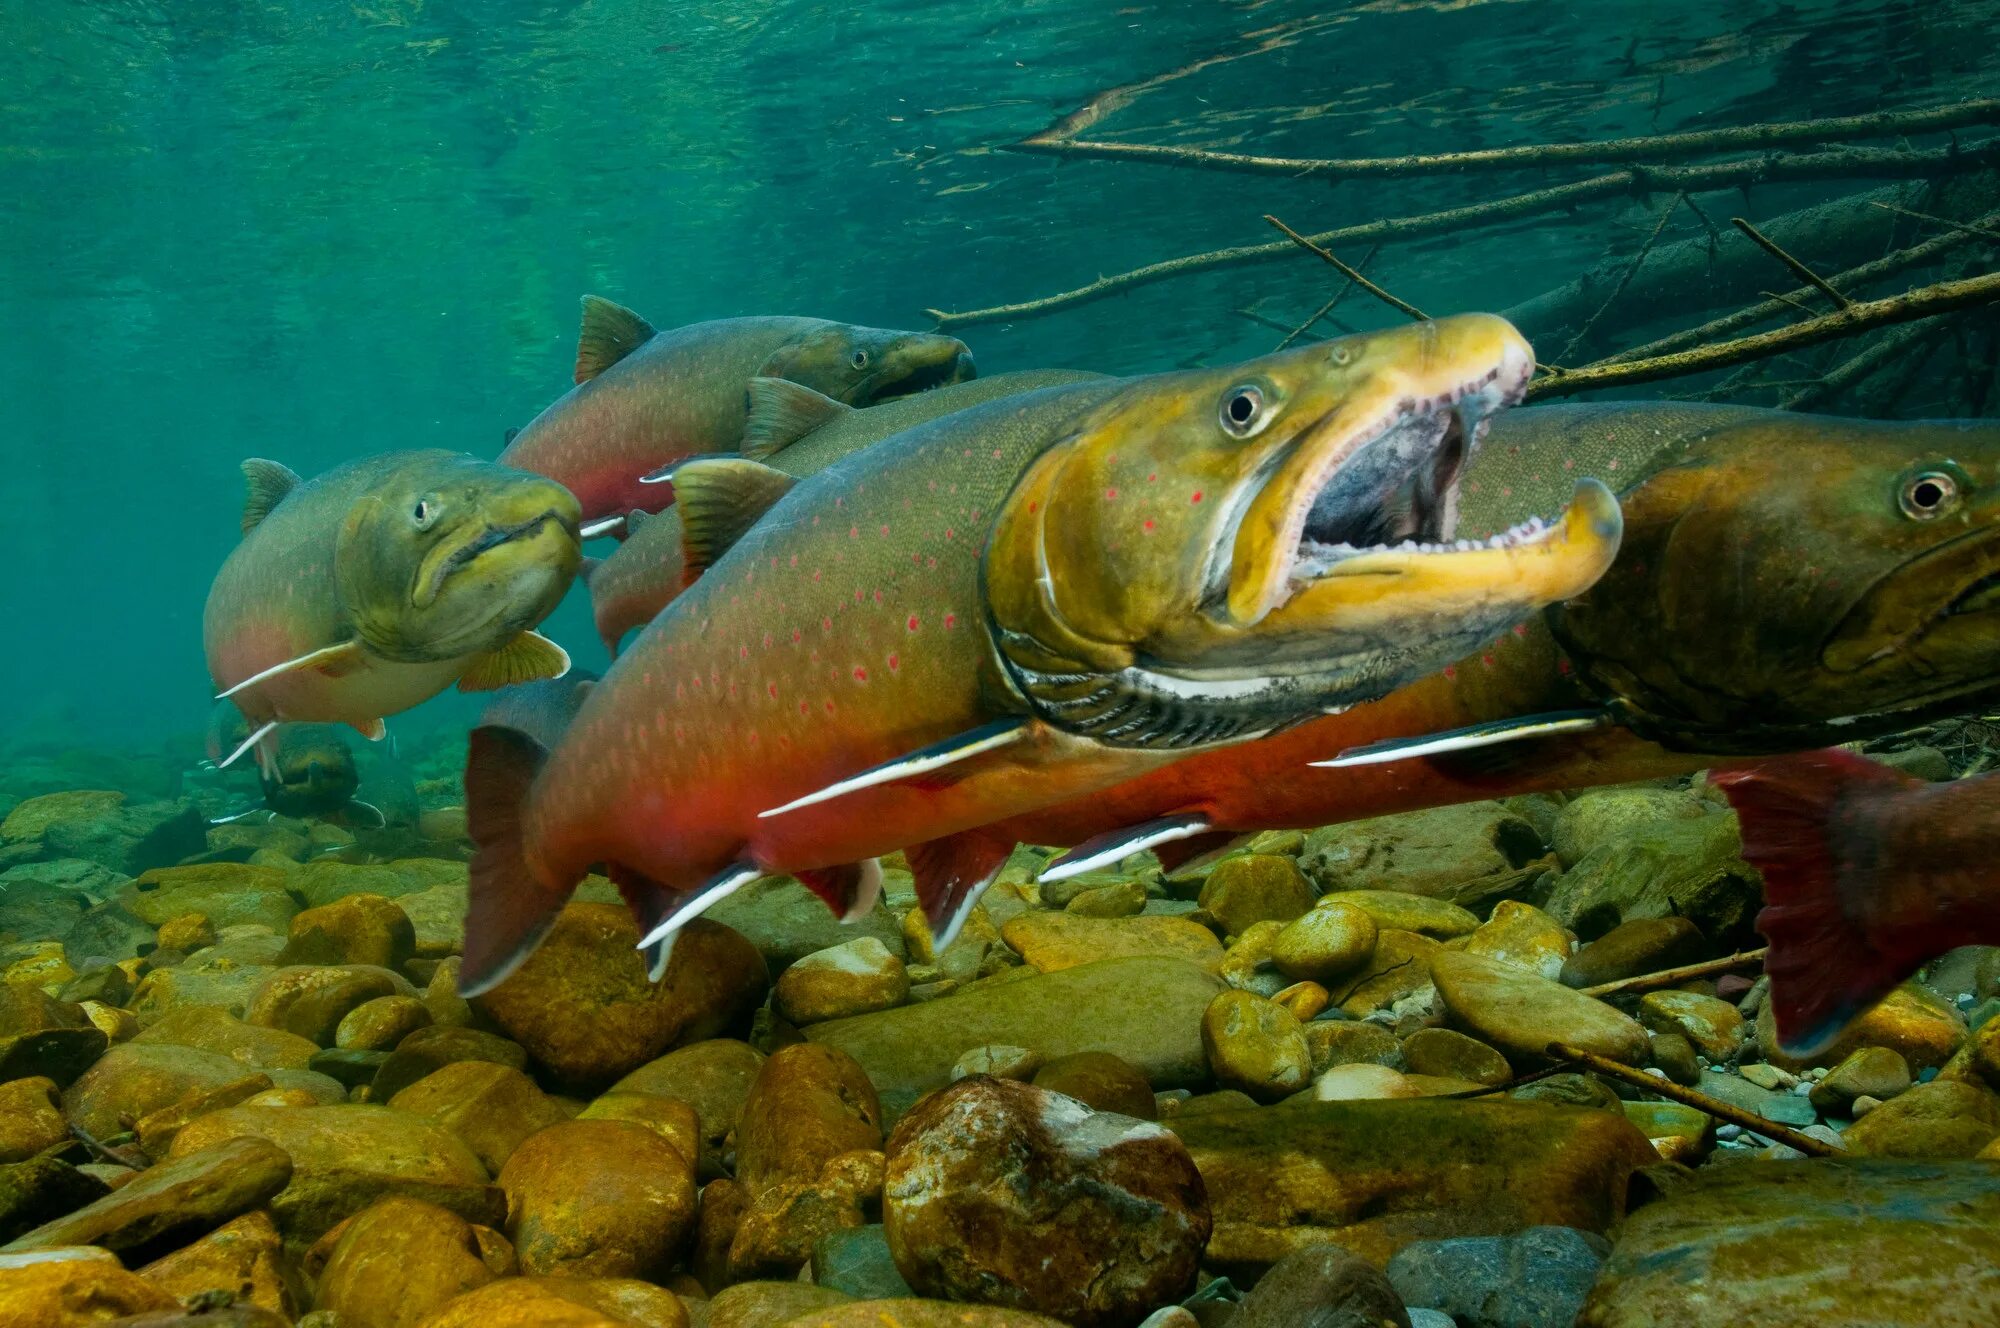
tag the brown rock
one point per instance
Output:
(158, 1129)
(1449, 1055)
(856, 978)
(1715, 1027)
(598, 1198)
(448, 1008)
(30, 1118)
(1255, 887)
(713, 1077)
(1941, 1119)
(723, 1204)
(784, 1223)
(311, 1001)
(167, 1205)
(519, 1302)
(42, 1036)
(117, 1025)
(1334, 1042)
(215, 1030)
(428, 1050)
(623, 1300)
(1875, 1072)
(356, 929)
(1912, 1021)
(672, 1120)
(1643, 945)
(1524, 936)
(1322, 1287)
(1255, 1046)
(1400, 967)
(1120, 899)
(70, 1288)
(1010, 1195)
(1373, 1176)
(1304, 1000)
(187, 933)
(398, 1261)
(380, 1024)
(808, 1105)
(226, 893)
(1051, 942)
(1100, 1081)
(771, 1304)
(491, 1108)
(1349, 1083)
(211, 980)
(136, 1079)
(1000, 1062)
(242, 1257)
(1977, 1061)
(1329, 942)
(1521, 1013)
(582, 1006)
(912, 1313)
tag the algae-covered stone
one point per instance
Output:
(1678, 1133)
(1255, 887)
(1536, 1279)
(1145, 1011)
(1449, 1055)
(1445, 852)
(169, 1204)
(1521, 1013)
(786, 922)
(1399, 910)
(1374, 1176)
(397, 1261)
(1913, 1021)
(1714, 1026)
(136, 1079)
(243, 1259)
(429, 1049)
(598, 1198)
(1051, 942)
(30, 1118)
(1255, 1046)
(1005, 1193)
(187, 933)
(583, 1007)
(71, 1288)
(856, 1261)
(43, 1189)
(41, 1036)
(1835, 1243)
(1100, 1081)
(1326, 1287)
(491, 1108)
(1400, 967)
(311, 1001)
(1524, 936)
(1690, 868)
(437, 918)
(217, 1031)
(766, 1304)
(807, 1155)
(322, 881)
(355, 929)
(1334, 1042)
(1941, 1119)
(32, 818)
(226, 893)
(713, 1077)
(916, 1313)
(1643, 945)
(1331, 941)
(671, 1119)
(1604, 817)
(379, 1024)
(561, 1302)
(208, 981)
(859, 977)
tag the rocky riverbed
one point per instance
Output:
(1305, 1084)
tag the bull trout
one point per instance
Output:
(384, 581)
(992, 611)
(645, 399)
(1785, 581)
(1868, 872)
(798, 431)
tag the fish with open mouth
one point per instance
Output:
(1785, 581)
(1006, 607)
(645, 398)
(382, 582)
(796, 430)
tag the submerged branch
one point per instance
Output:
(1351, 273)
(1770, 168)
(1924, 302)
(1792, 265)
(1668, 976)
(1901, 344)
(1059, 141)
(1713, 1106)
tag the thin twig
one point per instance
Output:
(1798, 269)
(1715, 1107)
(1681, 974)
(1352, 274)
(1924, 302)
(1332, 304)
(1771, 168)
(1797, 304)
(1983, 232)
(1261, 320)
(1631, 271)
(1059, 141)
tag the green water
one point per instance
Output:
(309, 231)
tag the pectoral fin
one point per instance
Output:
(610, 333)
(1470, 737)
(958, 747)
(951, 873)
(374, 729)
(1115, 846)
(333, 661)
(529, 657)
(674, 916)
(268, 484)
(255, 740)
(718, 499)
(782, 412)
(850, 890)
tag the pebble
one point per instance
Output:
(1255, 887)
(397, 1261)
(598, 1198)
(1334, 1042)
(1524, 936)
(1674, 1056)
(1121, 899)
(1090, 1218)
(1255, 1046)
(1346, 1083)
(1537, 1278)
(859, 977)
(1247, 966)
(1395, 909)
(1450, 1055)
(1521, 1012)
(1305, 1000)
(380, 1024)
(1714, 1026)
(1331, 941)
(1784, 1108)
(1052, 942)
(998, 1060)
(310, 1001)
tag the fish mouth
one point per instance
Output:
(453, 557)
(1958, 592)
(907, 375)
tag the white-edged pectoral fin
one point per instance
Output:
(256, 740)
(330, 660)
(1114, 846)
(720, 886)
(958, 747)
(1471, 737)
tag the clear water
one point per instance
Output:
(308, 231)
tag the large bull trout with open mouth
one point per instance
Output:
(645, 399)
(375, 586)
(1785, 581)
(1011, 606)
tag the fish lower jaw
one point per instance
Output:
(1315, 561)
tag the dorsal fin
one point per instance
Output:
(268, 483)
(719, 498)
(782, 412)
(610, 333)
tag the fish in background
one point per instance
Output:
(315, 773)
(1868, 872)
(645, 398)
(1008, 606)
(793, 429)
(1785, 581)
(382, 582)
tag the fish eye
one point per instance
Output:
(1243, 410)
(1928, 495)
(859, 359)
(423, 513)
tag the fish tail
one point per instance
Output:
(1805, 821)
(511, 907)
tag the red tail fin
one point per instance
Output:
(1802, 818)
(511, 908)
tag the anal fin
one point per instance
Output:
(951, 873)
(1115, 846)
(529, 657)
(849, 890)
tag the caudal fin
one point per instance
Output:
(511, 908)
(1799, 818)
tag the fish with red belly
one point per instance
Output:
(645, 399)
(1009, 606)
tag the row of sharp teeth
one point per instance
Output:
(1525, 533)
